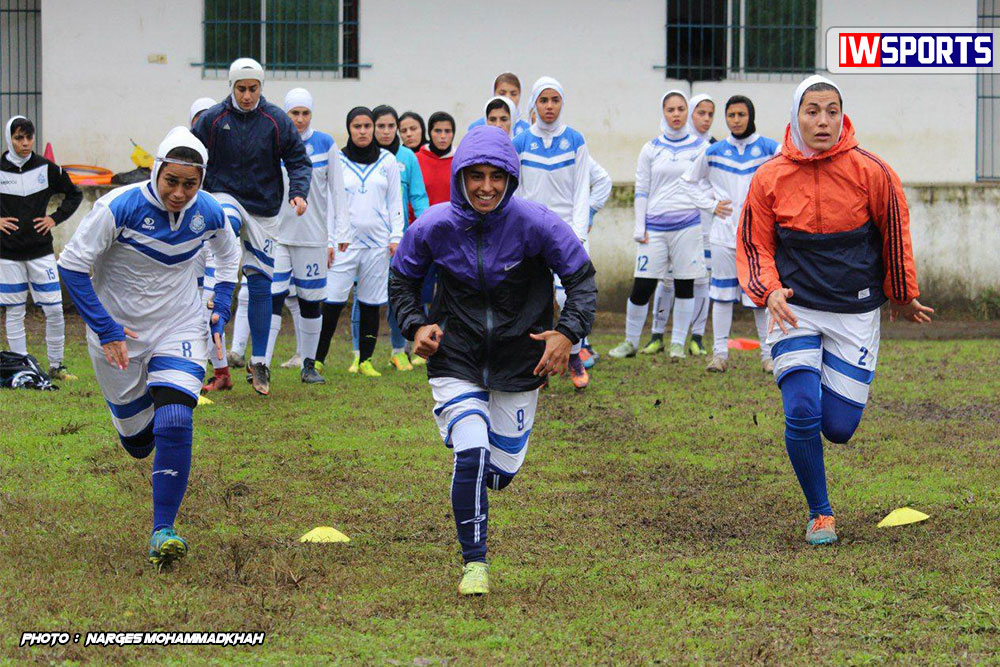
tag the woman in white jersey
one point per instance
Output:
(375, 227)
(555, 171)
(667, 227)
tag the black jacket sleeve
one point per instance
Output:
(577, 316)
(59, 182)
(406, 302)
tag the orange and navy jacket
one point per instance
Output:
(833, 227)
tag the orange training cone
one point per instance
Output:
(48, 153)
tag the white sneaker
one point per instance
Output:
(294, 362)
(718, 365)
(626, 349)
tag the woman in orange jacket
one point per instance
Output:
(823, 242)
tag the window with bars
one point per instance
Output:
(711, 40)
(297, 37)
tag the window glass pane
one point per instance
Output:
(232, 30)
(303, 34)
(780, 35)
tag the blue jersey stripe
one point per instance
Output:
(317, 283)
(795, 345)
(845, 368)
(45, 287)
(268, 261)
(547, 167)
(176, 364)
(12, 288)
(478, 395)
(160, 257)
(132, 408)
(509, 444)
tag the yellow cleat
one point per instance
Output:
(401, 362)
(417, 360)
(475, 579)
(353, 368)
(366, 368)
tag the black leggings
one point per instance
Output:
(368, 327)
(643, 289)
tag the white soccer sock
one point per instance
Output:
(272, 338)
(683, 312)
(55, 333)
(213, 354)
(701, 302)
(576, 348)
(292, 303)
(560, 298)
(310, 328)
(635, 318)
(722, 324)
(663, 301)
(241, 323)
(17, 338)
(760, 319)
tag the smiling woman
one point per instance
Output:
(484, 186)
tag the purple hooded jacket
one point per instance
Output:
(495, 276)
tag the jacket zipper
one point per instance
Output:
(819, 212)
(489, 308)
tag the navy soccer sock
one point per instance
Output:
(497, 479)
(469, 501)
(259, 314)
(840, 417)
(172, 430)
(139, 445)
(369, 331)
(800, 391)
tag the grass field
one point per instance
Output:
(656, 519)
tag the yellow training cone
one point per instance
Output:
(324, 534)
(205, 401)
(901, 517)
(141, 157)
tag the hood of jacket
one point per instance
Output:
(484, 144)
(846, 142)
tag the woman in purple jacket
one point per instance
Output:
(489, 339)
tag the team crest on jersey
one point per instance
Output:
(564, 144)
(534, 145)
(197, 224)
(309, 149)
(226, 126)
(729, 152)
(42, 177)
(755, 151)
(148, 224)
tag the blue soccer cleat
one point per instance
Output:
(166, 546)
(821, 530)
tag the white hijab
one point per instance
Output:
(177, 137)
(199, 105)
(300, 97)
(547, 131)
(669, 132)
(516, 113)
(794, 119)
(695, 101)
(511, 109)
(12, 155)
(240, 70)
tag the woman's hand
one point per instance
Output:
(724, 208)
(556, 356)
(777, 306)
(913, 311)
(116, 352)
(427, 340)
(299, 204)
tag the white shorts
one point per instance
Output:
(301, 266)
(175, 359)
(841, 347)
(679, 255)
(725, 285)
(38, 275)
(370, 266)
(509, 417)
(257, 234)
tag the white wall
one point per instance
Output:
(99, 89)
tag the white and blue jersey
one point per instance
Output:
(727, 167)
(318, 226)
(374, 199)
(555, 172)
(662, 203)
(145, 260)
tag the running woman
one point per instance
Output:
(415, 201)
(555, 172)
(728, 166)
(823, 242)
(667, 227)
(509, 86)
(489, 338)
(412, 131)
(248, 140)
(375, 227)
(145, 329)
(27, 260)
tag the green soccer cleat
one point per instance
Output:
(401, 362)
(676, 352)
(353, 368)
(821, 530)
(655, 345)
(166, 546)
(626, 349)
(475, 579)
(696, 347)
(367, 369)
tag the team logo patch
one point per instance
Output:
(729, 152)
(564, 144)
(197, 224)
(226, 126)
(148, 223)
(42, 178)
(534, 145)
(755, 151)
(309, 149)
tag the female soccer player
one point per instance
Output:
(496, 253)
(249, 140)
(414, 200)
(27, 260)
(374, 229)
(435, 157)
(501, 112)
(507, 85)
(555, 172)
(823, 242)
(145, 330)
(728, 166)
(412, 131)
(667, 227)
